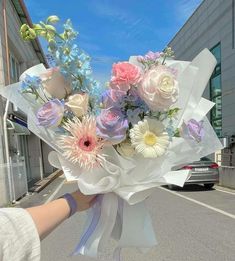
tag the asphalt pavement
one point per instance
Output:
(191, 224)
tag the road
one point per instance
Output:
(191, 224)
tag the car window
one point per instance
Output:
(205, 159)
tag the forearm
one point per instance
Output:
(47, 217)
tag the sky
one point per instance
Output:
(113, 30)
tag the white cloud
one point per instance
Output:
(133, 26)
(185, 8)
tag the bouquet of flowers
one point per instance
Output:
(120, 141)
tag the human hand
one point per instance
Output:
(83, 201)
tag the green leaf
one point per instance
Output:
(177, 133)
(172, 113)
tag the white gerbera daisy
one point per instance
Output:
(149, 138)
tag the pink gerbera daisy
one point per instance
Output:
(83, 145)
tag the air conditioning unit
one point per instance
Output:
(231, 140)
(228, 141)
(225, 142)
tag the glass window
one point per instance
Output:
(217, 52)
(216, 92)
(15, 68)
(216, 86)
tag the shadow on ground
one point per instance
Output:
(189, 188)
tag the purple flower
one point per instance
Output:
(133, 115)
(50, 114)
(112, 125)
(151, 56)
(193, 130)
(112, 98)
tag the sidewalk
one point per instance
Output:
(34, 199)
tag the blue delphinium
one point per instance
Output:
(74, 64)
(170, 129)
(133, 115)
(30, 83)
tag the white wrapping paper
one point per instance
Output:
(126, 182)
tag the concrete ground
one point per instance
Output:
(34, 199)
(191, 224)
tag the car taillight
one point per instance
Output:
(187, 167)
(214, 166)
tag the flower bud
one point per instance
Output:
(31, 34)
(50, 28)
(27, 33)
(37, 27)
(24, 28)
(52, 19)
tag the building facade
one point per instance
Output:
(212, 26)
(23, 156)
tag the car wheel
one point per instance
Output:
(209, 185)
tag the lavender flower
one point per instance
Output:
(151, 56)
(193, 130)
(133, 115)
(112, 125)
(112, 98)
(50, 114)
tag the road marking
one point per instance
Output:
(200, 203)
(55, 192)
(224, 191)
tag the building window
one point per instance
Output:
(15, 68)
(216, 92)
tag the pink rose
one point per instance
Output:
(55, 84)
(124, 75)
(159, 88)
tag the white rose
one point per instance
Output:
(78, 104)
(55, 83)
(125, 149)
(159, 88)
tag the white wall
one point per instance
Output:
(210, 24)
(26, 55)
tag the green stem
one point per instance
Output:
(78, 78)
(164, 59)
(58, 35)
(44, 93)
(36, 93)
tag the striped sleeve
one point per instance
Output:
(19, 240)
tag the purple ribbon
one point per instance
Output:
(96, 213)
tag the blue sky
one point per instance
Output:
(113, 30)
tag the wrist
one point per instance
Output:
(72, 203)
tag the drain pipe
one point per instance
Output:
(7, 82)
